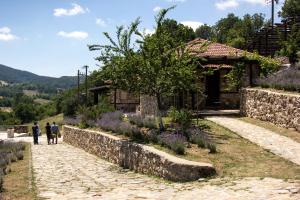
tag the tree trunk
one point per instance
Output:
(159, 114)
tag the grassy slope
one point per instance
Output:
(18, 184)
(57, 118)
(238, 157)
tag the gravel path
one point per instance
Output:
(65, 172)
(278, 144)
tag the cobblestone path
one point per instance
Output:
(279, 145)
(65, 172)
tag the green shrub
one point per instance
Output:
(212, 148)
(69, 106)
(201, 143)
(20, 155)
(153, 136)
(148, 122)
(181, 117)
(138, 136)
(178, 147)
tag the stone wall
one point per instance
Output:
(21, 129)
(148, 105)
(137, 157)
(279, 108)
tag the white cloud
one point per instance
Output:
(75, 34)
(156, 9)
(225, 4)
(193, 24)
(75, 10)
(101, 22)
(6, 35)
(262, 2)
(148, 31)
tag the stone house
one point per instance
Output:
(121, 100)
(218, 59)
(221, 59)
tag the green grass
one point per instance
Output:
(18, 184)
(42, 123)
(42, 101)
(238, 157)
(30, 93)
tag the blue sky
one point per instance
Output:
(50, 37)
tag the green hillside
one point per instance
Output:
(31, 81)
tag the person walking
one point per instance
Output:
(35, 133)
(55, 131)
(48, 132)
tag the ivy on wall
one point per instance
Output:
(267, 66)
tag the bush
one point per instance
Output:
(175, 142)
(212, 148)
(178, 147)
(137, 135)
(181, 117)
(69, 106)
(74, 121)
(287, 79)
(201, 143)
(148, 122)
(25, 112)
(20, 155)
(125, 129)
(153, 136)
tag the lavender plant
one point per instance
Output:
(148, 122)
(287, 79)
(72, 120)
(175, 142)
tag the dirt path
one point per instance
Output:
(64, 172)
(278, 144)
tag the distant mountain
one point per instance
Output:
(41, 83)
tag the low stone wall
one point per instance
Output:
(21, 129)
(279, 108)
(137, 157)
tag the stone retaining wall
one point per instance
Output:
(21, 129)
(279, 108)
(137, 157)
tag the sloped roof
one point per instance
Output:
(223, 66)
(205, 48)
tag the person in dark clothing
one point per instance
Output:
(48, 132)
(55, 132)
(35, 133)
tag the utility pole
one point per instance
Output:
(78, 85)
(273, 2)
(273, 13)
(86, 83)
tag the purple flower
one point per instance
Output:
(287, 79)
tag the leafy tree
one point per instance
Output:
(205, 32)
(292, 45)
(159, 67)
(179, 32)
(224, 25)
(25, 112)
(291, 8)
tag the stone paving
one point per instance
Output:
(278, 144)
(65, 172)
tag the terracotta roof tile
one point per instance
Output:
(218, 66)
(205, 48)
